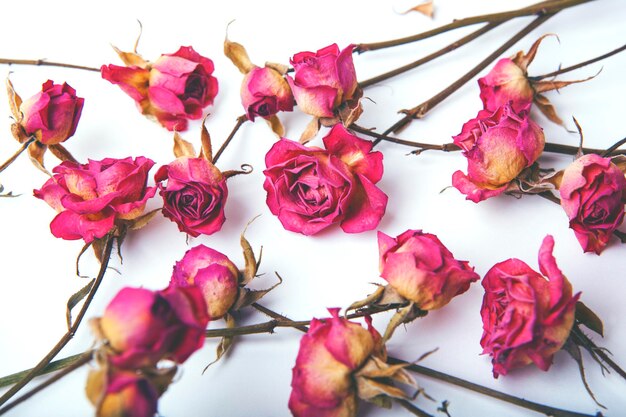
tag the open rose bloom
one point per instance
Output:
(194, 193)
(91, 199)
(309, 188)
(173, 89)
(527, 316)
(422, 270)
(498, 146)
(593, 191)
(506, 83)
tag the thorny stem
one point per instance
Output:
(530, 405)
(453, 46)
(407, 405)
(43, 62)
(542, 8)
(240, 120)
(421, 110)
(590, 346)
(12, 159)
(68, 335)
(82, 359)
(579, 65)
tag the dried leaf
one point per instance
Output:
(225, 342)
(63, 154)
(251, 266)
(310, 131)
(372, 298)
(587, 317)
(75, 299)
(282, 69)
(238, 55)
(98, 248)
(18, 133)
(182, 147)
(138, 36)
(143, 220)
(131, 59)
(80, 254)
(15, 101)
(424, 8)
(248, 297)
(369, 388)
(547, 109)
(400, 317)
(524, 60)
(205, 139)
(276, 126)
(554, 179)
(36, 150)
(543, 86)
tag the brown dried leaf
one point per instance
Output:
(143, 220)
(373, 298)
(63, 154)
(276, 126)
(238, 55)
(225, 342)
(554, 179)
(36, 151)
(547, 109)
(205, 139)
(75, 299)
(131, 59)
(248, 297)
(524, 60)
(588, 318)
(18, 133)
(15, 101)
(310, 131)
(251, 266)
(182, 147)
(400, 317)
(424, 8)
(543, 86)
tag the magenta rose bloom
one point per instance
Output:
(498, 146)
(593, 191)
(323, 80)
(194, 194)
(331, 351)
(309, 188)
(527, 316)
(173, 89)
(265, 92)
(143, 327)
(422, 270)
(506, 83)
(51, 116)
(213, 273)
(90, 198)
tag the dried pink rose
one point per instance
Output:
(527, 317)
(173, 89)
(265, 92)
(422, 270)
(52, 115)
(309, 188)
(211, 272)
(506, 83)
(498, 146)
(593, 191)
(194, 194)
(91, 198)
(324, 80)
(323, 382)
(143, 327)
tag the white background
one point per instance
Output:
(332, 268)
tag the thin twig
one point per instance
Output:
(589, 345)
(611, 151)
(579, 65)
(43, 62)
(12, 159)
(545, 7)
(51, 367)
(36, 370)
(240, 120)
(409, 406)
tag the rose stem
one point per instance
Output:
(421, 110)
(412, 408)
(12, 159)
(81, 360)
(240, 120)
(542, 8)
(579, 65)
(550, 411)
(70, 333)
(590, 346)
(451, 147)
(51, 367)
(428, 58)
(613, 148)
(43, 62)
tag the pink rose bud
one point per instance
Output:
(323, 80)
(143, 327)
(194, 194)
(498, 146)
(331, 351)
(309, 188)
(213, 273)
(526, 317)
(52, 115)
(422, 270)
(121, 393)
(174, 89)
(505, 83)
(592, 191)
(265, 92)
(92, 197)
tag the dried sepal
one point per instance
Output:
(586, 317)
(620, 162)
(238, 55)
(277, 127)
(248, 297)
(310, 130)
(17, 130)
(62, 153)
(426, 8)
(225, 343)
(377, 378)
(282, 69)
(206, 150)
(547, 108)
(143, 220)
(574, 350)
(131, 59)
(36, 151)
(15, 101)
(75, 299)
(543, 86)
(182, 147)
(371, 299)
(523, 60)
(404, 315)
(251, 265)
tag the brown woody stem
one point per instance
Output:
(410, 407)
(240, 120)
(542, 8)
(580, 65)
(51, 367)
(540, 408)
(421, 110)
(12, 159)
(43, 62)
(37, 369)
(584, 341)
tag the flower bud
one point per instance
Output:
(265, 92)
(506, 83)
(213, 274)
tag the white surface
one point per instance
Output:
(333, 268)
